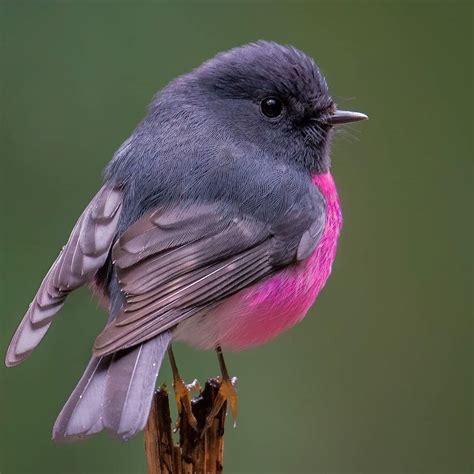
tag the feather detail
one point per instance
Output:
(163, 286)
(130, 385)
(82, 414)
(114, 394)
(79, 260)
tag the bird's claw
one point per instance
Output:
(183, 401)
(226, 393)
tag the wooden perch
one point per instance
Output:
(196, 453)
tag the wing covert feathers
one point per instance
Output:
(178, 263)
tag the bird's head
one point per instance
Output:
(267, 95)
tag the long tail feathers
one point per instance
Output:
(130, 386)
(82, 416)
(114, 394)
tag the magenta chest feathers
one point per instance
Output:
(261, 312)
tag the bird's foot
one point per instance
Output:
(226, 393)
(182, 393)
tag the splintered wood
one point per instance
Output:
(196, 452)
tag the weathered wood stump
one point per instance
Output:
(196, 452)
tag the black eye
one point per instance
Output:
(271, 107)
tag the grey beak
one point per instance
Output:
(344, 116)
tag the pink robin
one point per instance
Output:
(216, 225)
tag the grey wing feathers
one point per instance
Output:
(85, 252)
(174, 264)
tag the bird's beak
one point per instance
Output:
(344, 116)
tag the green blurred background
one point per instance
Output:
(378, 377)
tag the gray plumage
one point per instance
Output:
(114, 393)
(207, 197)
(77, 264)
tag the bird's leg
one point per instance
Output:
(182, 393)
(226, 393)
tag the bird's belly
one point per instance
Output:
(261, 312)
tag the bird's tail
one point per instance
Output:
(114, 394)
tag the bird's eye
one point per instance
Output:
(271, 107)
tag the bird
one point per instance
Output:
(216, 225)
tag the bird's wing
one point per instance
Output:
(172, 264)
(84, 254)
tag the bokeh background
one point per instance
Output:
(378, 377)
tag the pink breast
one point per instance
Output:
(257, 314)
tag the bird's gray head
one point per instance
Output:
(261, 95)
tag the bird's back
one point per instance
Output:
(237, 176)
